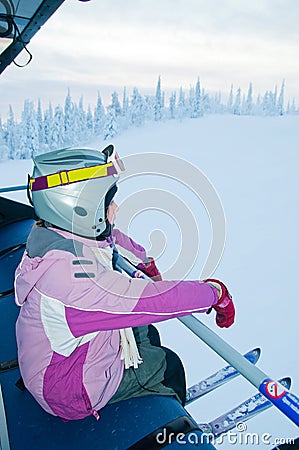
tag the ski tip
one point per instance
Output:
(286, 382)
(254, 351)
(258, 351)
(253, 355)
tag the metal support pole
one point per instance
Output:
(13, 188)
(226, 351)
(284, 400)
(4, 439)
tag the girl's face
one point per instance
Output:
(111, 212)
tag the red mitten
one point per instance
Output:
(225, 310)
(150, 269)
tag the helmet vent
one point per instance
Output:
(80, 211)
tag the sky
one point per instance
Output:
(103, 45)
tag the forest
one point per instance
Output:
(39, 130)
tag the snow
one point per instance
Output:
(252, 163)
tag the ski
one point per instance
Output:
(219, 378)
(236, 417)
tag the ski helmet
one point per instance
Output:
(71, 189)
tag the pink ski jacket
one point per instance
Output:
(72, 308)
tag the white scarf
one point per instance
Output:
(129, 349)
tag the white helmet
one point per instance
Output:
(72, 188)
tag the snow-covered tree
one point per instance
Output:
(69, 120)
(81, 123)
(137, 109)
(29, 142)
(48, 123)
(40, 126)
(125, 113)
(291, 107)
(269, 107)
(230, 101)
(113, 119)
(115, 104)
(280, 105)
(172, 105)
(4, 150)
(11, 133)
(125, 106)
(1, 132)
(198, 110)
(237, 103)
(243, 104)
(89, 122)
(181, 106)
(248, 110)
(111, 127)
(207, 104)
(191, 103)
(217, 106)
(149, 105)
(249, 100)
(158, 102)
(274, 94)
(266, 104)
(274, 102)
(72, 125)
(257, 107)
(57, 129)
(99, 116)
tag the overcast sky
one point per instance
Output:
(108, 44)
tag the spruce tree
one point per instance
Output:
(158, 102)
(137, 109)
(11, 134)
(230, 100)
(281, 99)
(237, 103)
(249, 101)
(172, 105)
(69, 119)
(48, 123)
(111, 127)
(198, 111)
(4, 150)
(57, 130)
(40, 126)
(99, 117)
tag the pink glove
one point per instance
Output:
(150, 269)
(225, 310)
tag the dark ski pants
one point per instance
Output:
(161, 373)
(174, 375)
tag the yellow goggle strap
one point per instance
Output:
(72, 176)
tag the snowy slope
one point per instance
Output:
(252, 164)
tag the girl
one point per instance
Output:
(77, 349)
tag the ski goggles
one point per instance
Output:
(117, 162)
(114, 166)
